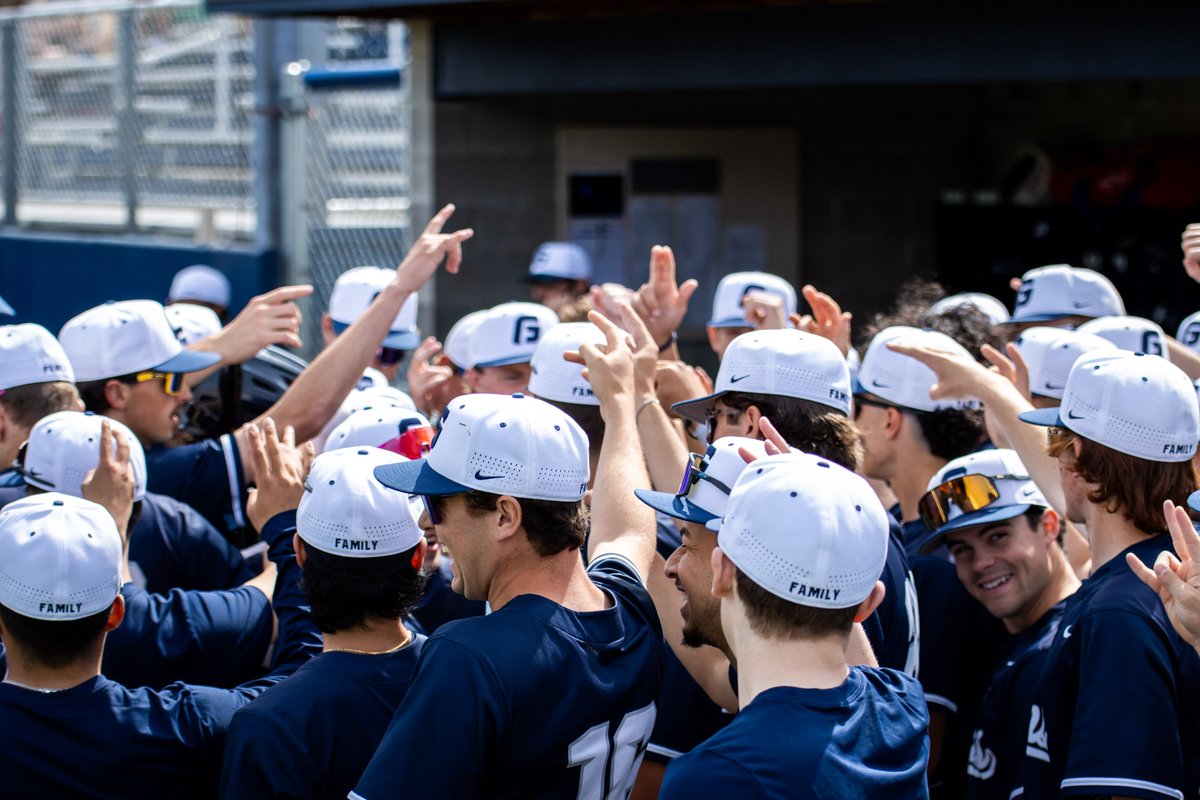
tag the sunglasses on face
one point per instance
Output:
(694, 473)
(967, 493)
(389, 356)
(172, 381)
(432, 508)
(710, 420)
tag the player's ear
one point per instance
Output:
(115, 614)
(471, 376)
(867, 607)
(752, 415)
(895, 417)
(1049, 525)
(723, 574)
(508, 516)
(327, 334)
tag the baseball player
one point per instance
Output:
(1007, 545)
(353, 291)
(732, 315)
(502, 344)
(203, 286)
(1117, 709)
(361, 552)
(1060, 295)
(811, 726)
(552, 694)
(559, 275)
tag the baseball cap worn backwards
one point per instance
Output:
(509, 333)
(783, 363)
(60, 557)
(707, 481)
(555, 379)
(901, 380)
(30, 354)
(353, 292)
(806, 530)
(728, 311)
(1060, 290)
(1049, 354)
(560, 261)
(64, 447)
(514, 445)
(127, 337)
(977, 489)
(346, 511)
(1136, 404)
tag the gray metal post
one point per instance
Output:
(265, 149)
(293, 144)
(418, 76)
(12, 130)
(127, 122)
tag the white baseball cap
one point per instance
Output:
(127, 337)
(1136, 404)
(457, 346)
(199, 282)
(346, 511)
(64, 447)
(1189, 332)
(1049, 354)
(509, 333)
(192, 323)
(1135, 334)
(833, 558)
(783, 362)
(354, 290)
(977, 489)
(707, 481)
(560, 261)
(727, 302)
(518, 445)
(358, 400)
(901, 380)
(1060, 290)
(30, 354)
(373, 426)
(987, 305)
(60, 557)
(555, 379)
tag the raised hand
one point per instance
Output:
(271, 318)
(1190, 244)
(431, 384)
(608, 367)
(111, 483)
(827, 318)
(1176, 580)
(429, 251)
(279, 471)
(662, 302)
(765, 310)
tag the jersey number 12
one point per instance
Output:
(608, 765)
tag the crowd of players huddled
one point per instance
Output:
(956, 560)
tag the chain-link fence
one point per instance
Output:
(350, 130)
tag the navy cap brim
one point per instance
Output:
(730, 322)
(544, 278)
(983, 517)
(505, 362)
(856, 387)
(1040, 318)
(397, 340)
(417, 477)
(696, 408)
(674, 506)
(1046, 417)
(189, 361)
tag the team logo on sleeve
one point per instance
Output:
(981, 763)
(1037, 745)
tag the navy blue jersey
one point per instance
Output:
(864, 739)
(441, 604)
(312, 735)
(532, 701)
(894, 629)
(173, 546)
(998, 747)
(686, 715)
(10, 478)
(1117, 709)
(206, 475)
(210, 638)
(102, 740)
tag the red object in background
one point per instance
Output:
(413, 444)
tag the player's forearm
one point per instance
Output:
(1004, 404)
(1183, 357)
(664, 450)
(616, 513)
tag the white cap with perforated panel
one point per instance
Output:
(1060, 290)
(359, 399)
(1049, 354)
(373, 427)
(60, 557)
(509, 333)
(833, 552)
(708, 495)
(1135, 404)
(64, 447)
(123, 338)
(354, 290)
(30, 354)
(902, 380)
(784, 363)
(1135, 334)
(346, 511)
(518, 445)
(728, 311)
(555, 379)
(201, 283)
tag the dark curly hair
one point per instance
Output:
(347, 593)
(812, 427)
(965, 324)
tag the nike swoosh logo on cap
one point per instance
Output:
(1080, 305)
(479, 476)
(879, 385)
(1052, 387)
(736, 378)
(1073, 415)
